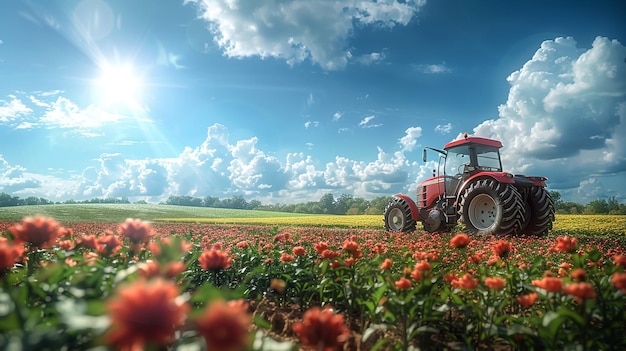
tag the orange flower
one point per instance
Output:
(501, 248)
(403, 283)
(619, 260)
(149, 269)
(566, 244)
(89, 242)
(136, 230)
(329, 254)
(224, 325)
(550, 284)
(214, 260)
(299, 251)
(579, 274)
(619, 281)
(243, 244)
(321, 330)
(580, 291)
(527, 300)
(352, 247)
(145, 312)
(460, 241)
(320, 247)
(416, 275)
(9, 254)
(422, 266)
(39, 232)
(174, 269)
(110, 244)
(495, 283)
(465, 282)
(285, 257)
(386, 264)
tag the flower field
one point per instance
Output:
(205, 286)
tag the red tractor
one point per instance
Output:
(475, 191)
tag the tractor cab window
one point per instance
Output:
(457, 161)
(488, 158)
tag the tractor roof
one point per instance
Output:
(473, 140)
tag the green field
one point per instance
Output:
(119, 212)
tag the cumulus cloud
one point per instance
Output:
(337, 116)
(297, 30)
(13, 178)
(50, 110)
(308, 124)
(224, 168)
(409, 140)
(566, 111)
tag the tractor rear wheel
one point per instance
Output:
(398, 216)
(490, 207)
(540, 212)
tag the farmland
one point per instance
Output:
(262, 276)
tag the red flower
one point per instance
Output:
(386, 264)
(214, 260)
(40, 232)
(299, 251)
(224, 325)
(403, 284)
(9, 253)
(352, 247)
(285, 257)
(145, 312)
(320, 247)
(566, 244)
(527, 300)
(501, 248)
(460, 241)
(416, 275)
(329, 254)
(242, 244)
(422, 266)
(619, 281)
(550, 284)
(136, 230)
(89, 242)
(619, 260)
(321, 330)
(109, 244)
(495, 283)
(580, 291)
(579, 274)
(465, 282)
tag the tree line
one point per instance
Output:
(343, 205)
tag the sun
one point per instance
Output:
(119, 86)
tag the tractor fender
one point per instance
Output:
(501, 177)
(412, 205)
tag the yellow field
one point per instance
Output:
(563, 223)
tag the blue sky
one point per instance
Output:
(286, 100)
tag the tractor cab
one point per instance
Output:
(466, 157)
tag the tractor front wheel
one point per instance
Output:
(398, 216)
(490, 207)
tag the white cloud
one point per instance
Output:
(365, 122)
(409, 140)
(308, 124)
(565, 116)
(444, 128)
(297, 30)
(371, 58)
(12, 110)
(337, 116)
(434, 68)
(14, 178)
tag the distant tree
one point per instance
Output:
(141, 202)
(8, 200)
(327, 203)
(210, 201)
(254, 204)
(599, 206)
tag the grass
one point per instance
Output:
(119, 212)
